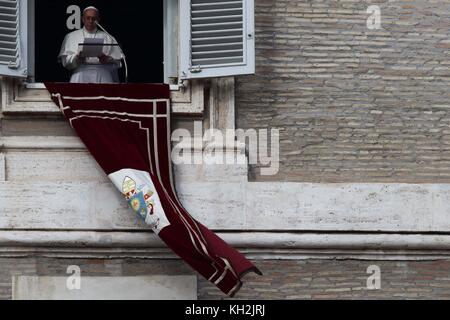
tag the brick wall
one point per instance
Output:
(345, 279)
(353, 104)
(283, 279)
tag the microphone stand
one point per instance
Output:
(121, 51)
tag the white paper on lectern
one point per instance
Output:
(93, 47)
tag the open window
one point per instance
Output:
(138, 28)
(210, 38)
(13, 38)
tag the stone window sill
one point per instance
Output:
(20, 98)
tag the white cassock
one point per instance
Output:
(90, 71)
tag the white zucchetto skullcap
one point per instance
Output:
(91, 8)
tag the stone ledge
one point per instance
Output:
(257, 245)
(157, 287)
(255, 207)
(18, 98)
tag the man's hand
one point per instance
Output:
(104, 59)
(80, 59)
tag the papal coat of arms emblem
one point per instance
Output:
(139, 197)
(139, 191)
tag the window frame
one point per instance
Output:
(21, 96)
(186, 70)
(23, 24)
(170, 36)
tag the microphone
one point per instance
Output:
(121, 51)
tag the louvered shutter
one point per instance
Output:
(13, 37)
(216, 38)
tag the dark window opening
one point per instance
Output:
(137, 26)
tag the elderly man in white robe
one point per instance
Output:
(102, 69)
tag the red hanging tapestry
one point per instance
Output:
(126, 127)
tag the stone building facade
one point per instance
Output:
(362, 189)
(353, 104)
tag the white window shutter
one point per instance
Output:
(217, 38)
(13, 38)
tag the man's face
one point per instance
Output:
(90, 17)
